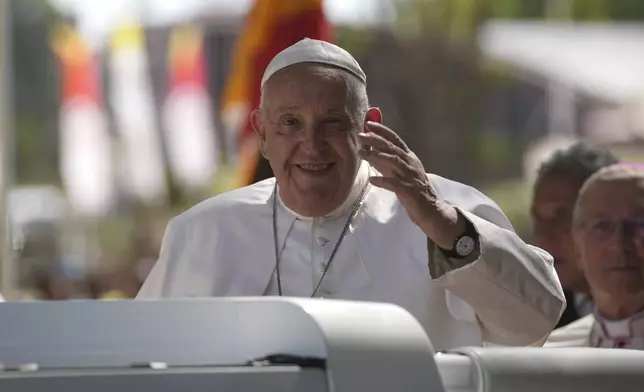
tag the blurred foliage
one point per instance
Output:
(455, 19)
(618, 10)
(225, 179)
(35, 88)
(632, 153)
(582, 10)
(116, 234)
(513, 9)
(513, 196)
(460, 18)
(495, 150)
(356, 41)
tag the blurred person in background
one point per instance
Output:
(554, 194)
(608, 233)
(54, 286)
(351, 214)
(115, 283)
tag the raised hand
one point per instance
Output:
(404, 174)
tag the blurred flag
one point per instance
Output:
(86, 164)
(191, 139)
(271, 26)
(142, 170)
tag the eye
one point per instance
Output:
(334, 124)
(637, 226)
(289, 122)
(601, 227)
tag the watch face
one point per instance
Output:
(465, 246)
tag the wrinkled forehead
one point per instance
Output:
(306, 85)
(306, 72)
(620, 198)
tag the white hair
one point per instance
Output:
(618, 172)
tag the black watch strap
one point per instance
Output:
(470, 231)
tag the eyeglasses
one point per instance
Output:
(602, 230)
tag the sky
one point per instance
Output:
(96, 18)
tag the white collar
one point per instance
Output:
(362, 178)
(625, 328)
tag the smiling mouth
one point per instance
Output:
(315, 168)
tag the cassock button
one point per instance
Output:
(322, 241)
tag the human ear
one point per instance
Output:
(374, 115)
(577, 243)
(258, 126)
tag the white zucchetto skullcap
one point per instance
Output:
(314, 51)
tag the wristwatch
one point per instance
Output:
(464, 244)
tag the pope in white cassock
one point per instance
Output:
(351, 214)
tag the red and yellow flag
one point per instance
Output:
(78, 67)
(186, 57)
(271, 26)
(192, 146)
(86, 164)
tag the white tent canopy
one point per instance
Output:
(603, 60)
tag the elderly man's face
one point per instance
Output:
(610, 238)
(552, 207)
(308, 128)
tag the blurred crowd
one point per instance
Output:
(118, 284)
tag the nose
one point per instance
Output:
(619, 239)
(627, 236)
(313, 142)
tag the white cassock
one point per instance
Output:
(596, 331)
(224, 246)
